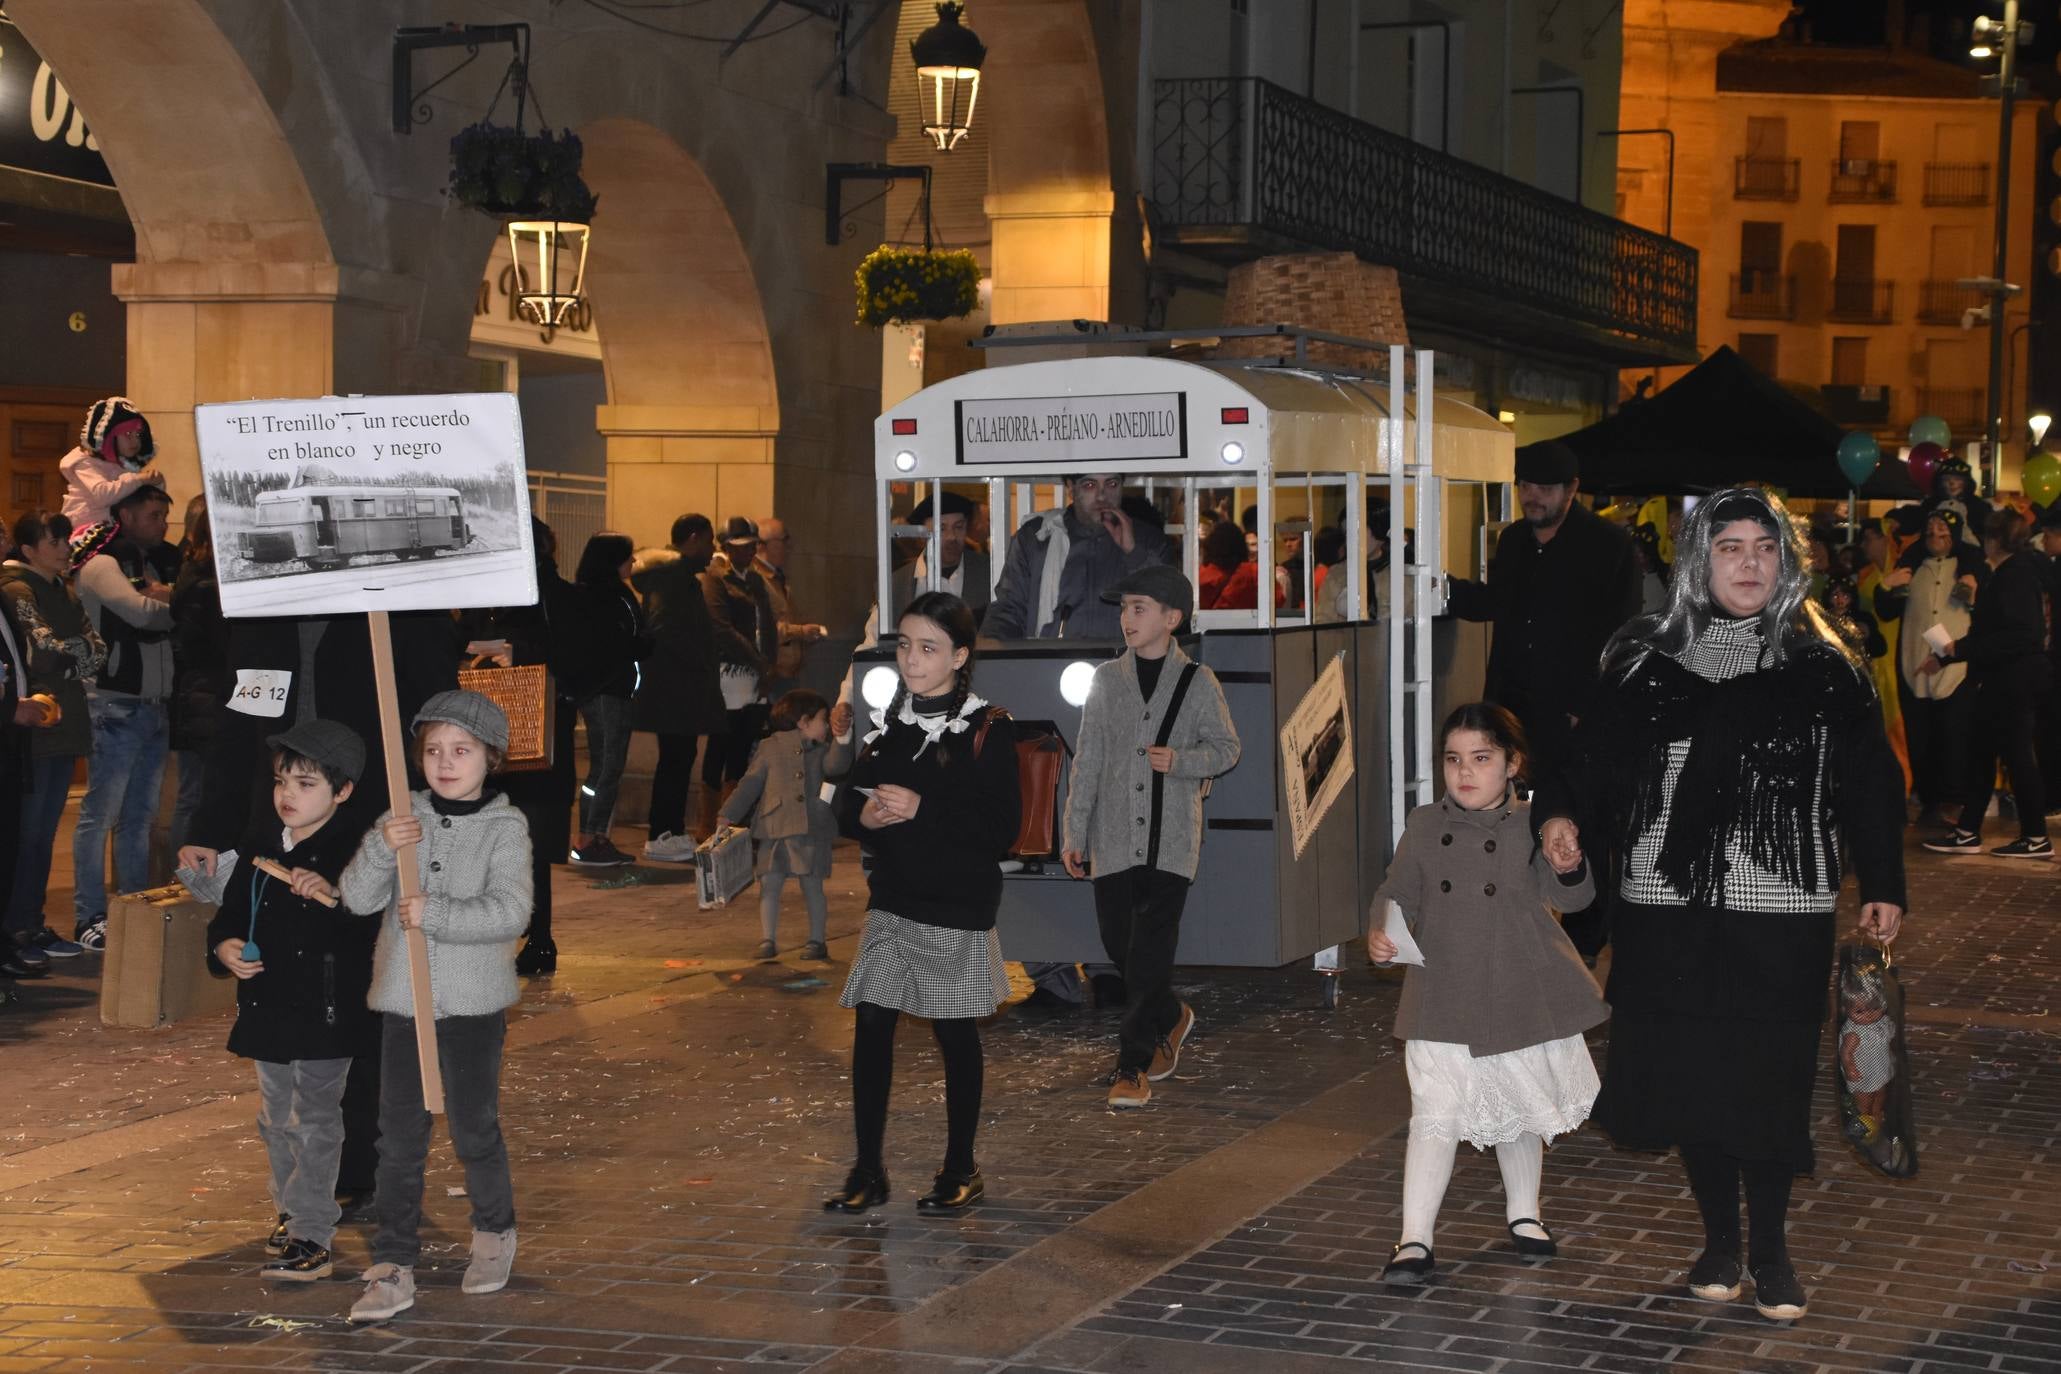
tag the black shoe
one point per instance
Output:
(1956, 841)
(275, 1244)
(1408, 1272)
(1777, 1293)
(1715, 1277)
(12, 967)
(1533, 1247)
(863, 1190)
(538, 957)
(817, 950)
(1110, 990)
(949, 1192)
(303, 1262)
(2025, 847)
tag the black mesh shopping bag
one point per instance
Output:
(1871, 1066)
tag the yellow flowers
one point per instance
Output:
(898, 285)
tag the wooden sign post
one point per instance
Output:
(409, 879)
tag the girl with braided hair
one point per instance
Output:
(934, 800)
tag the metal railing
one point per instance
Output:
(1758, 295)
(1959, 406)
(1862, 179)
(1765, 178)
(1942, 302)
(1861, 300)
(1957, 183)
(1242, 152)
(575, 507)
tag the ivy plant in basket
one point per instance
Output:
(901, 285)
(505, 171)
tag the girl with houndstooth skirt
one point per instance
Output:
(934, 799)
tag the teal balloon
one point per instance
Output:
(1858, 456)
(1930, 429)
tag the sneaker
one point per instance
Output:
(1777, 1293)
(93, 939)
(29, 956)
(1167, 1057)
(600, 854)
(55, 945)
(766, 950)
(389, 1289)
(669, 849)
(1714, 1277)
(1128, 1088)
(11, 966)
(493, 1255)
(815, 949)
(2023, 848)
(303, 1261)
(275, 1244)
(1956, 841)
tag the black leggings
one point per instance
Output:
(729, 753)
(873, 1071)
(1714, 1177)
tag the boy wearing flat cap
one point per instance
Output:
(1154, 731)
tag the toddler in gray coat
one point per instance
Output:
(784, 797)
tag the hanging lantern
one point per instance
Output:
(948, 57)
(550, 267)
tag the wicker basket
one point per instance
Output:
(525, 696)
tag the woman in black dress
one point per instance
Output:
(1737, 748)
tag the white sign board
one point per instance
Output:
(1317, 753)
(1096, 433)
(368, 503)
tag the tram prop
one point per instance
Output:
(1295, 440)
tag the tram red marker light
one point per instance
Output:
(904, 426)
(1236, 415)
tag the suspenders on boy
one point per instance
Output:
(1166, 732)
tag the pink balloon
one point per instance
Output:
(1923, 462)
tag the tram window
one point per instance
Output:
(277, 513)
(425, 505)
(362, 507)
(394, 507)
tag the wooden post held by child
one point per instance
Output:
(392, 731)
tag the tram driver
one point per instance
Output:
(1062, 560)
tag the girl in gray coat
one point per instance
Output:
(792, 823)
(1492, 1019)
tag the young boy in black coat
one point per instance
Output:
(303, 969)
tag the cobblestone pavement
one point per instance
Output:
(675, 1112)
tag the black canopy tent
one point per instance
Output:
(1723, 424)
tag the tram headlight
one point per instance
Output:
(905, 461)
(878, 686)
(1233, 452)
(1075, 681)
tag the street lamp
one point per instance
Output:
(2038, 424)
(550, 258)
(949, 56)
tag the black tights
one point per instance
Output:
(873, 1071)
(1714, 1177)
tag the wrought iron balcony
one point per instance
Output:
(1763, 295)
(1241, 167)
(1959, 406)
(1765, 178)
(1942, 302)
(1858, 179)
(1957, 183)
(1861, 300)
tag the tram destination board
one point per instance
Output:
(1087, 433)
(368, 503)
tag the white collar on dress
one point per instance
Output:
(932, 726)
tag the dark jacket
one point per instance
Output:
(974, 587)
(741, 611)
(136, 629)
(63, 651)
(309, 1003)
(1554, 606)
(2008, 626)
(1094, 564)
(14, 739)
(547, 633)
(202, 678)
(942, 866)
(237, 786)
(605, 640)
(680, 693)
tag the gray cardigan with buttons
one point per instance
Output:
(476, 874)
(1109, 812)
(1499, 974)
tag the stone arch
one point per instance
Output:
(693, 406)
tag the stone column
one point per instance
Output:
(667, 460)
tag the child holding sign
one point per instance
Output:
(474, 855)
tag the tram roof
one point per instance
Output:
(369, 489)
(1164, 416)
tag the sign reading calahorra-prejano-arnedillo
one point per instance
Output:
(364, 503)
(1096, 432)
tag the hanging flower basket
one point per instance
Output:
(901, 285)
(505, 171)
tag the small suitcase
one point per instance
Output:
(154, 971)
(722, 866)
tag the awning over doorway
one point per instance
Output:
(1719, 425)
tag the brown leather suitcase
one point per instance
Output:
(154, 971)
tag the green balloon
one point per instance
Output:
(1858, 456)
(1930, 429)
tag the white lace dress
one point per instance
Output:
(1543, 1090)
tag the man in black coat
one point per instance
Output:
(1561, 583)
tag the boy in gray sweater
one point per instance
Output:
(1154, 731)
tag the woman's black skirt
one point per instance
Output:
(1715, 1022)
